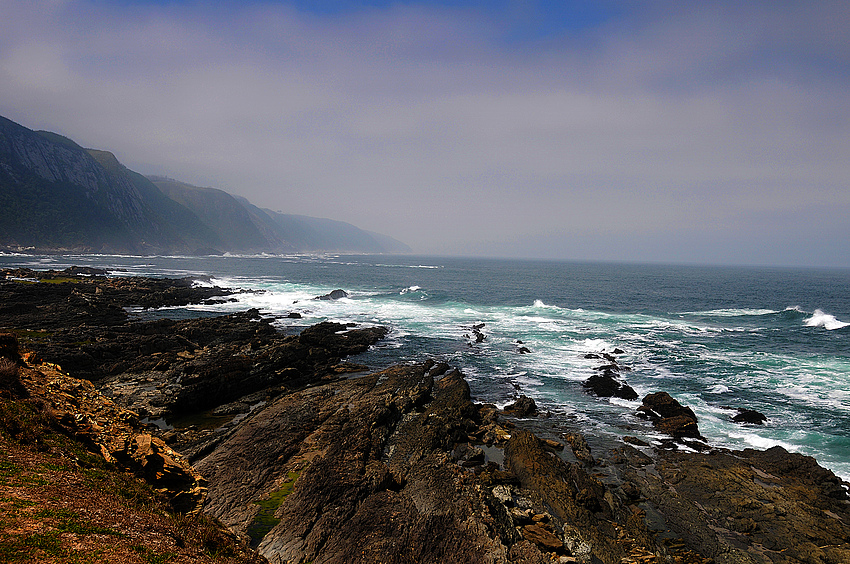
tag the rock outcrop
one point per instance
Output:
(745, 506)
(86, 415)
(322, 461)
(669, 416)
(606, 382)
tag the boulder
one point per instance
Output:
(661, 405)
(749, 416)
(669, 416)
(545, 539)
(605, 386)
(580, 448)
(334, 295)
(523, 407)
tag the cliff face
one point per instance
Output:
(53, 192)
(82, 480)
(54, 159)
(242, 225)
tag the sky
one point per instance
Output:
(679, 131)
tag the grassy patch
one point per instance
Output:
(31, 335)
(265, 519)
(26, 423)
(135, 492)
(28, 548)
(151, 557)
(202, 530)
(17, 503)
(66, 521)
(59, 280)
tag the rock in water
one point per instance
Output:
(749, 416)
(334, 295)
(523, 407)
(605, 386)
(669, 416)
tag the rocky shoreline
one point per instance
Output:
(307, 456)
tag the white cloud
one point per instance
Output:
(424, 124)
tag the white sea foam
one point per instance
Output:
(718, 389)
(821, 319)
(763, 443)
(731, 312)
(594, 345)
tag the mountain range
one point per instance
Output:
(57, 196)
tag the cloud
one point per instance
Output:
(673, 121)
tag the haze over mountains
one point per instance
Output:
(57, 196)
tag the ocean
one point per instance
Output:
(775, 340)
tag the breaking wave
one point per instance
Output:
(825, 320)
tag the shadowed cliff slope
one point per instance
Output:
(58, 196)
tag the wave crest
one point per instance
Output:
(825, 320)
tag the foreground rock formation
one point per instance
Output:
(81, 481)
(325, 461)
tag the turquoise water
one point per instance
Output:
(774, 340)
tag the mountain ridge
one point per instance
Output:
(56, 196)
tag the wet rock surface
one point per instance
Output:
(309, 464)
(606, 382)
(747, 506)
(669, 416)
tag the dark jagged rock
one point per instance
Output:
(9, 347)
(80, 299)
(580, 448)
(393, 466)
(669, 416)
(333, 295)
(479, 335)
(605, 386)
(368, 473)
(522, 407)
(10, 360)
(749, 416)
(661, 405)
(170, 366)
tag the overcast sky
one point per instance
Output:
(707, 132)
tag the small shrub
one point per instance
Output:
(10, 380)
(207, 532)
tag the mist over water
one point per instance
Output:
(773, 340)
